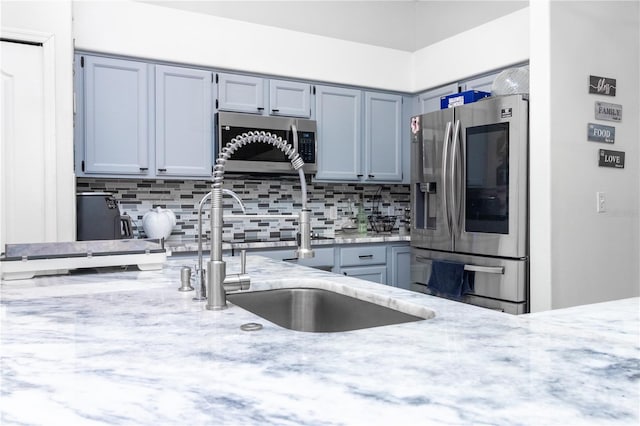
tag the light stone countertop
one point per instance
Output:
(176, 244)
(126, 347)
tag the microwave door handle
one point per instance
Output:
(445, 180)
(456, 180)
(294, 136)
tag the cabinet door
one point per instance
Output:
(116, 134)
(383, 137)
(338, 115)
(430, 101)
(184, 135)
(289, 98)
(377, 274)
(400, 267)
(483, 83)
(363, 254)
(240, 93)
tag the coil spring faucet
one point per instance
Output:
(216, 277)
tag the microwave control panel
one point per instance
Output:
(307, 146)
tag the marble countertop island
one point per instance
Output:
(126, 347)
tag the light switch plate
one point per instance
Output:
(602, 205)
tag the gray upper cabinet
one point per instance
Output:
(289, 98)
(339, 118)
(482, 84)
(430, 101)
(240, 93)
(383, 137)
(183, 121)
(116, 115)
(145, 120)
(359, 135)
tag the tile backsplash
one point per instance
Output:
(329, 204)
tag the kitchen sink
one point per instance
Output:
(318, 310)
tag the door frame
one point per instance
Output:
(49, 185)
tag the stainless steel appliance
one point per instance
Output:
(99, 218)
(265, 158)
(469, 198)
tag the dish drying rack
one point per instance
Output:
(380, 223)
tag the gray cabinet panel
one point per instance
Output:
(183, 122)
(377, 274)
(116, 120)
(338, 113)
(289, 98)
(430, 101)
(240, 93)
(383, 137)
(400, 267)
(363, 255)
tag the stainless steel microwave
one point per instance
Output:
(262, 157)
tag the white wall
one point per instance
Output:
(494, 45)
(595, 256)
(540, 254)
(206, 40)
(155, 32)
(51, 21)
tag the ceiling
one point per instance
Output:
(406, 25)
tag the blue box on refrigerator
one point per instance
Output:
(462, 98)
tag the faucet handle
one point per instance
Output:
(201, 284)
(243, 261)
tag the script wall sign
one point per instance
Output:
(602, 85)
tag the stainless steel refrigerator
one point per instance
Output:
(469, 199)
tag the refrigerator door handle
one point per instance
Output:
(445, 180)
(499, 270)
(456, 181)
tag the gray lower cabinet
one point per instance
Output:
(400, 266)
(375, 273)
(323, 256)
(364, 261)
(140, 119)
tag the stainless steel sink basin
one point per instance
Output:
(317, 310)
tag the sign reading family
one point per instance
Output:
(609, 112)
(602, 85)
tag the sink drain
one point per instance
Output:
(251, 326)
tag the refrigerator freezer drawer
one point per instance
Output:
(501, 279)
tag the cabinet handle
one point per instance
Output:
(275, 110)
(260, 109)
(371, 176)
(359, 176)
(162, 170)
(144, 169)
(344, 273)
(366, 256)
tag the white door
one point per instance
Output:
(22, 152)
